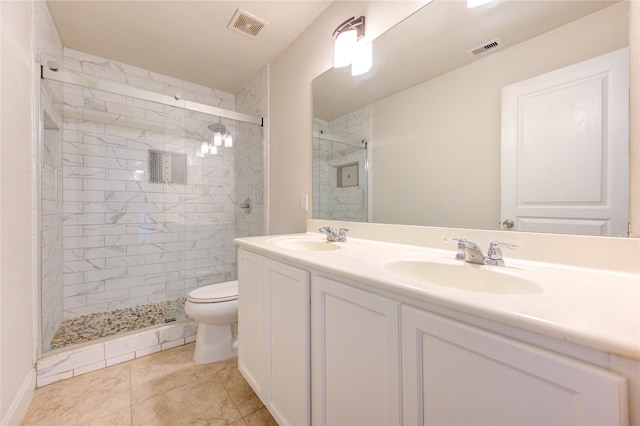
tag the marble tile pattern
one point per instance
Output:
(128, 241)
(250, 158)
(165, 388)
(331, 202)
(94, 326)
(67, 363)
(47, 152)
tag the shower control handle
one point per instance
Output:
(246, 205)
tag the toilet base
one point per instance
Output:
(213, 343)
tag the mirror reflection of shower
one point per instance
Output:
(340, 170)
(220, 136)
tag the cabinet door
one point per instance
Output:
(354, 356)
(273, 328)
(253, 358)
(456, 374)
(288, 335)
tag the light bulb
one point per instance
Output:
(362, 60)
(217, 139)
(204, 148)
(344, 47)
(476, 3)
(213, 149)
(228, 141)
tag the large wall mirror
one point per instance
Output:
(468, 112)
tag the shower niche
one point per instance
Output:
(167, 167)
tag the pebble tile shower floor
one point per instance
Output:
(86, 328)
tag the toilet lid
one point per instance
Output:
(221, 292)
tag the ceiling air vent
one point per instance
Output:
(485, 47)
(246, 24)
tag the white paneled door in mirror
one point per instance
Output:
(565, 149)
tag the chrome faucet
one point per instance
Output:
(472, 253)
(339, 236)
(494, 254)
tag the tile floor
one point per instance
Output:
(166, 388)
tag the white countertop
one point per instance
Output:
(590, 307)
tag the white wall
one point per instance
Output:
(17, 313)
(445, 163)
(290, 106)
(634, 119)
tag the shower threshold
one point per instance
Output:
(94, 326)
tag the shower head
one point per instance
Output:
(217, 128)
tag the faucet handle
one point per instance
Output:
(461, 245)
(342, 234)
(329, 232)
(495, 253)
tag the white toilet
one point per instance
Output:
(215, 308)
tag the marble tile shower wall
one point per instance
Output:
(250, 150)
(51, 234)
(351, 203)
(321, 174)
(331, 202)
(128, 241)
(47, 155)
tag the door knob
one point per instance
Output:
(508, 224)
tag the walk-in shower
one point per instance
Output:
(134, 211)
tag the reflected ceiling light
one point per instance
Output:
(347, 36)
(219, 135)
(476, 3)
(362, 60)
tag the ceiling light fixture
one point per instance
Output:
(348, 50)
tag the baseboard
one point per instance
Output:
(20, 404)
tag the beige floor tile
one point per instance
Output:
(262, 417)
(166, 388)
(83, 399)
(161, 372)
(198, 403)
(241, 393)
(120, 417)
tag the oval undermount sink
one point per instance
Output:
(464, 276)
(306, 244)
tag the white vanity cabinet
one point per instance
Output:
(457, 374)
(376, 361)
(323, 349)
(355, 356)
(273, 333)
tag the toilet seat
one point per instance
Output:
(215, 293)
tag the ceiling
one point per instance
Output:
(188, 40)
